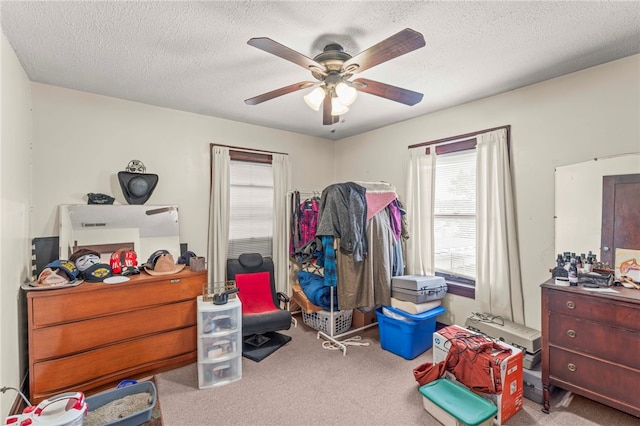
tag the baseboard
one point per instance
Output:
(19, 405)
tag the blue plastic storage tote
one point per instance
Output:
(409, 337)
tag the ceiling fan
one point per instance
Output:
(333, 69)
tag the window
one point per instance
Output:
(455, 216)
(251, 207)
(454, 176)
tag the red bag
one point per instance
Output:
(471, 360)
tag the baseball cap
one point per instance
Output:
(97, 273)
(82, 252)
(185, 258)
(67, 267)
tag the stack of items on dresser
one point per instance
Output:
(406, 327)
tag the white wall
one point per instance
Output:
(15, 193)
(83, 140)
(587, 114)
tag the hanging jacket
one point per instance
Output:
(343, 214)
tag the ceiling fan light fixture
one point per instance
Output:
(337, 108)
(314, 98)
(346, 93)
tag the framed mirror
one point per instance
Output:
(578, 201)
(107, 228)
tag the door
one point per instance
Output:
(620, 215)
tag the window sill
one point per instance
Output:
(463, 290)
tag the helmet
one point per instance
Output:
(123, 260)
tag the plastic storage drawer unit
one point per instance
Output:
(453, 405)
(410, 336)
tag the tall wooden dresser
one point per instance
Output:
(89, 337)
(591, 344)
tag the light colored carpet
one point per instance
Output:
(304, 384)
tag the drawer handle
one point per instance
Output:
(571, 305)
(571, 333)
(572, 367)
(175, 280)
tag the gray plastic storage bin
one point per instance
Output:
(135, 419)
(532, 384)
(418, 288)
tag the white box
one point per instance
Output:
(511, 399)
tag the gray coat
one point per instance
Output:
(343, 214)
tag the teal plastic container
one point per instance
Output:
(460, 403)
(408, 337)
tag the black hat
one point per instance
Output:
(137, 187)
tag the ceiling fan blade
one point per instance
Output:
(327, 118)
(279, 92)
(275, 48)
(387, 91)
(398, 44)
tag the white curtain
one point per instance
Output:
(419, 205)
(281, 182)
(219, 216)
(498, 281)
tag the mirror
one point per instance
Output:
(107, 228)
(578, 201)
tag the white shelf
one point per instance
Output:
(219, 343)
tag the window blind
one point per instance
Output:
(455, 214)
(251, 208)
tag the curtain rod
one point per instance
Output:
(456, 138)
(239, 148)
(304, 191)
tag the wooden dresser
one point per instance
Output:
(89, 337)
(591, 344)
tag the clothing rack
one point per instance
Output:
(338, 339)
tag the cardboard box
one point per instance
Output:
(510, 400)
(363, 317)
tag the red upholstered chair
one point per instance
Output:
(262, 314)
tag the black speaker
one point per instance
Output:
(137, 187)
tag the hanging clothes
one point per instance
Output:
(343, 214)
(308, 220)
(304, 221)
(368, 283)
(294, 223)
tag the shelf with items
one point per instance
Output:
(219, 342)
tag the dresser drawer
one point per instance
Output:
(615, 313)
(91, 300)
(620, 383)
(596, 339)
(68, 372)
(80, 336)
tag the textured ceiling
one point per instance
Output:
(194, 56)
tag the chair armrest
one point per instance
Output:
(282, 297)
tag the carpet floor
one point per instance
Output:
(303, 383)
